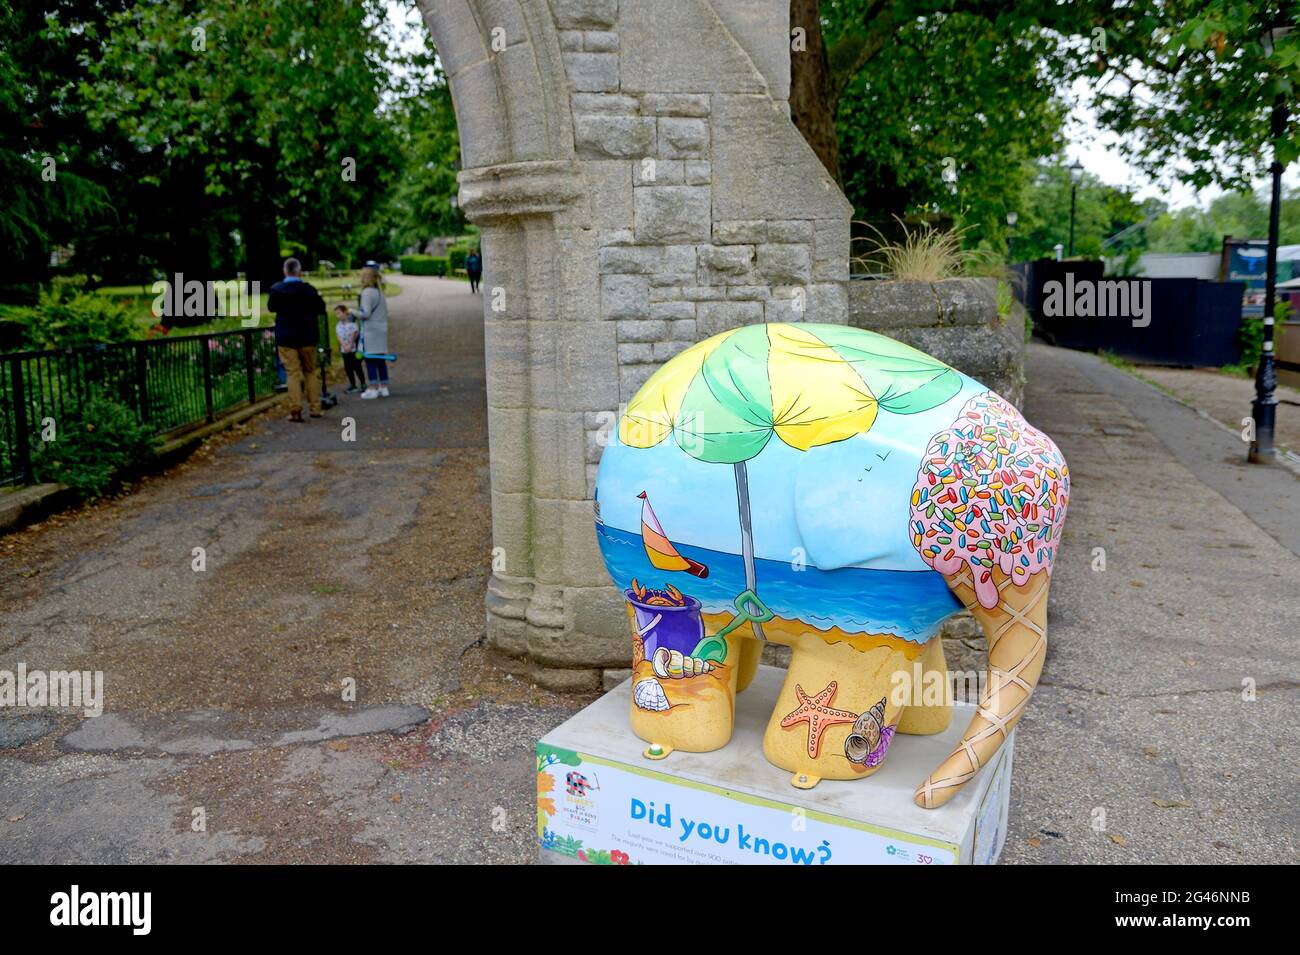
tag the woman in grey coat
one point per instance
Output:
(373, 318)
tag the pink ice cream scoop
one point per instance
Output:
(991, 492)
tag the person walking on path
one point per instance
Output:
(474, 269)
(372, 314)
(298, 308)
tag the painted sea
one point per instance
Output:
(906, 604)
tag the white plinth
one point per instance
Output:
(732, 806)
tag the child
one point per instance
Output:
(348, 333)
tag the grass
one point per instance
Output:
(140, 298)
(926, 254)
(1123, 364)
(1237, 371)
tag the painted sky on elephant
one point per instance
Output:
(845, 504)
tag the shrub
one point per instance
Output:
(65, 316)
(456, 255)
(1251, 336)
(424, 265)
(94, 446)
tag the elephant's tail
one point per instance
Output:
(1017, 635)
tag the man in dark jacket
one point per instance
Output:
(474, 269)
(297, 307)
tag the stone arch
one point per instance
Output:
(639, 186)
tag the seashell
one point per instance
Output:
(672, 665)
(649, 695)
(856, 748)
(866, 736)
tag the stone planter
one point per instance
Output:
(955, 320)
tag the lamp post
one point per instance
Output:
(1264, 408)
(1076, 173)
(1012, 219)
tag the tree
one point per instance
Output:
(845, 38)
(422, 199)
(51, 163)
(1190, 86)
(1101, 212)
(419, 206)
(947, 120)
(931, 105)
(276, 112)
(1243, 215)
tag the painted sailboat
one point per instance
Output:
(660, 549)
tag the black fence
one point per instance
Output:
(1183, 321)
(169, 383)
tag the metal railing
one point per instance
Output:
(169, 383)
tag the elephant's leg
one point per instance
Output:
(835, 716)
(682, 703)
(751, 652)
(1017, 633)
(929, 709)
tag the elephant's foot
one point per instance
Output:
(657, 751)
(834, 718)
(680, 707)
(804, 780)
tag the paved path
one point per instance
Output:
(327, 562)
(1139, 723)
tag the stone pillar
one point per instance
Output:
(640, 187)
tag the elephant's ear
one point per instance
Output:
(851, 504)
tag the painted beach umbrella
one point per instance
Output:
(808, 385)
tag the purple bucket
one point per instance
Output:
(677, 628)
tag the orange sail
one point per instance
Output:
(660, 549)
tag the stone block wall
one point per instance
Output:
(955, 320)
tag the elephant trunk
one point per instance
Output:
(1016, 628)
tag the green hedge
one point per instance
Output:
(96, 446)
(66, 316)
(424, 265)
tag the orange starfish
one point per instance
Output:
(815, 712)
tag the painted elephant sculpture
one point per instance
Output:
(837, 491)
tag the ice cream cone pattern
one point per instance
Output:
(1017, 633)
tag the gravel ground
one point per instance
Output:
(329, 564)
